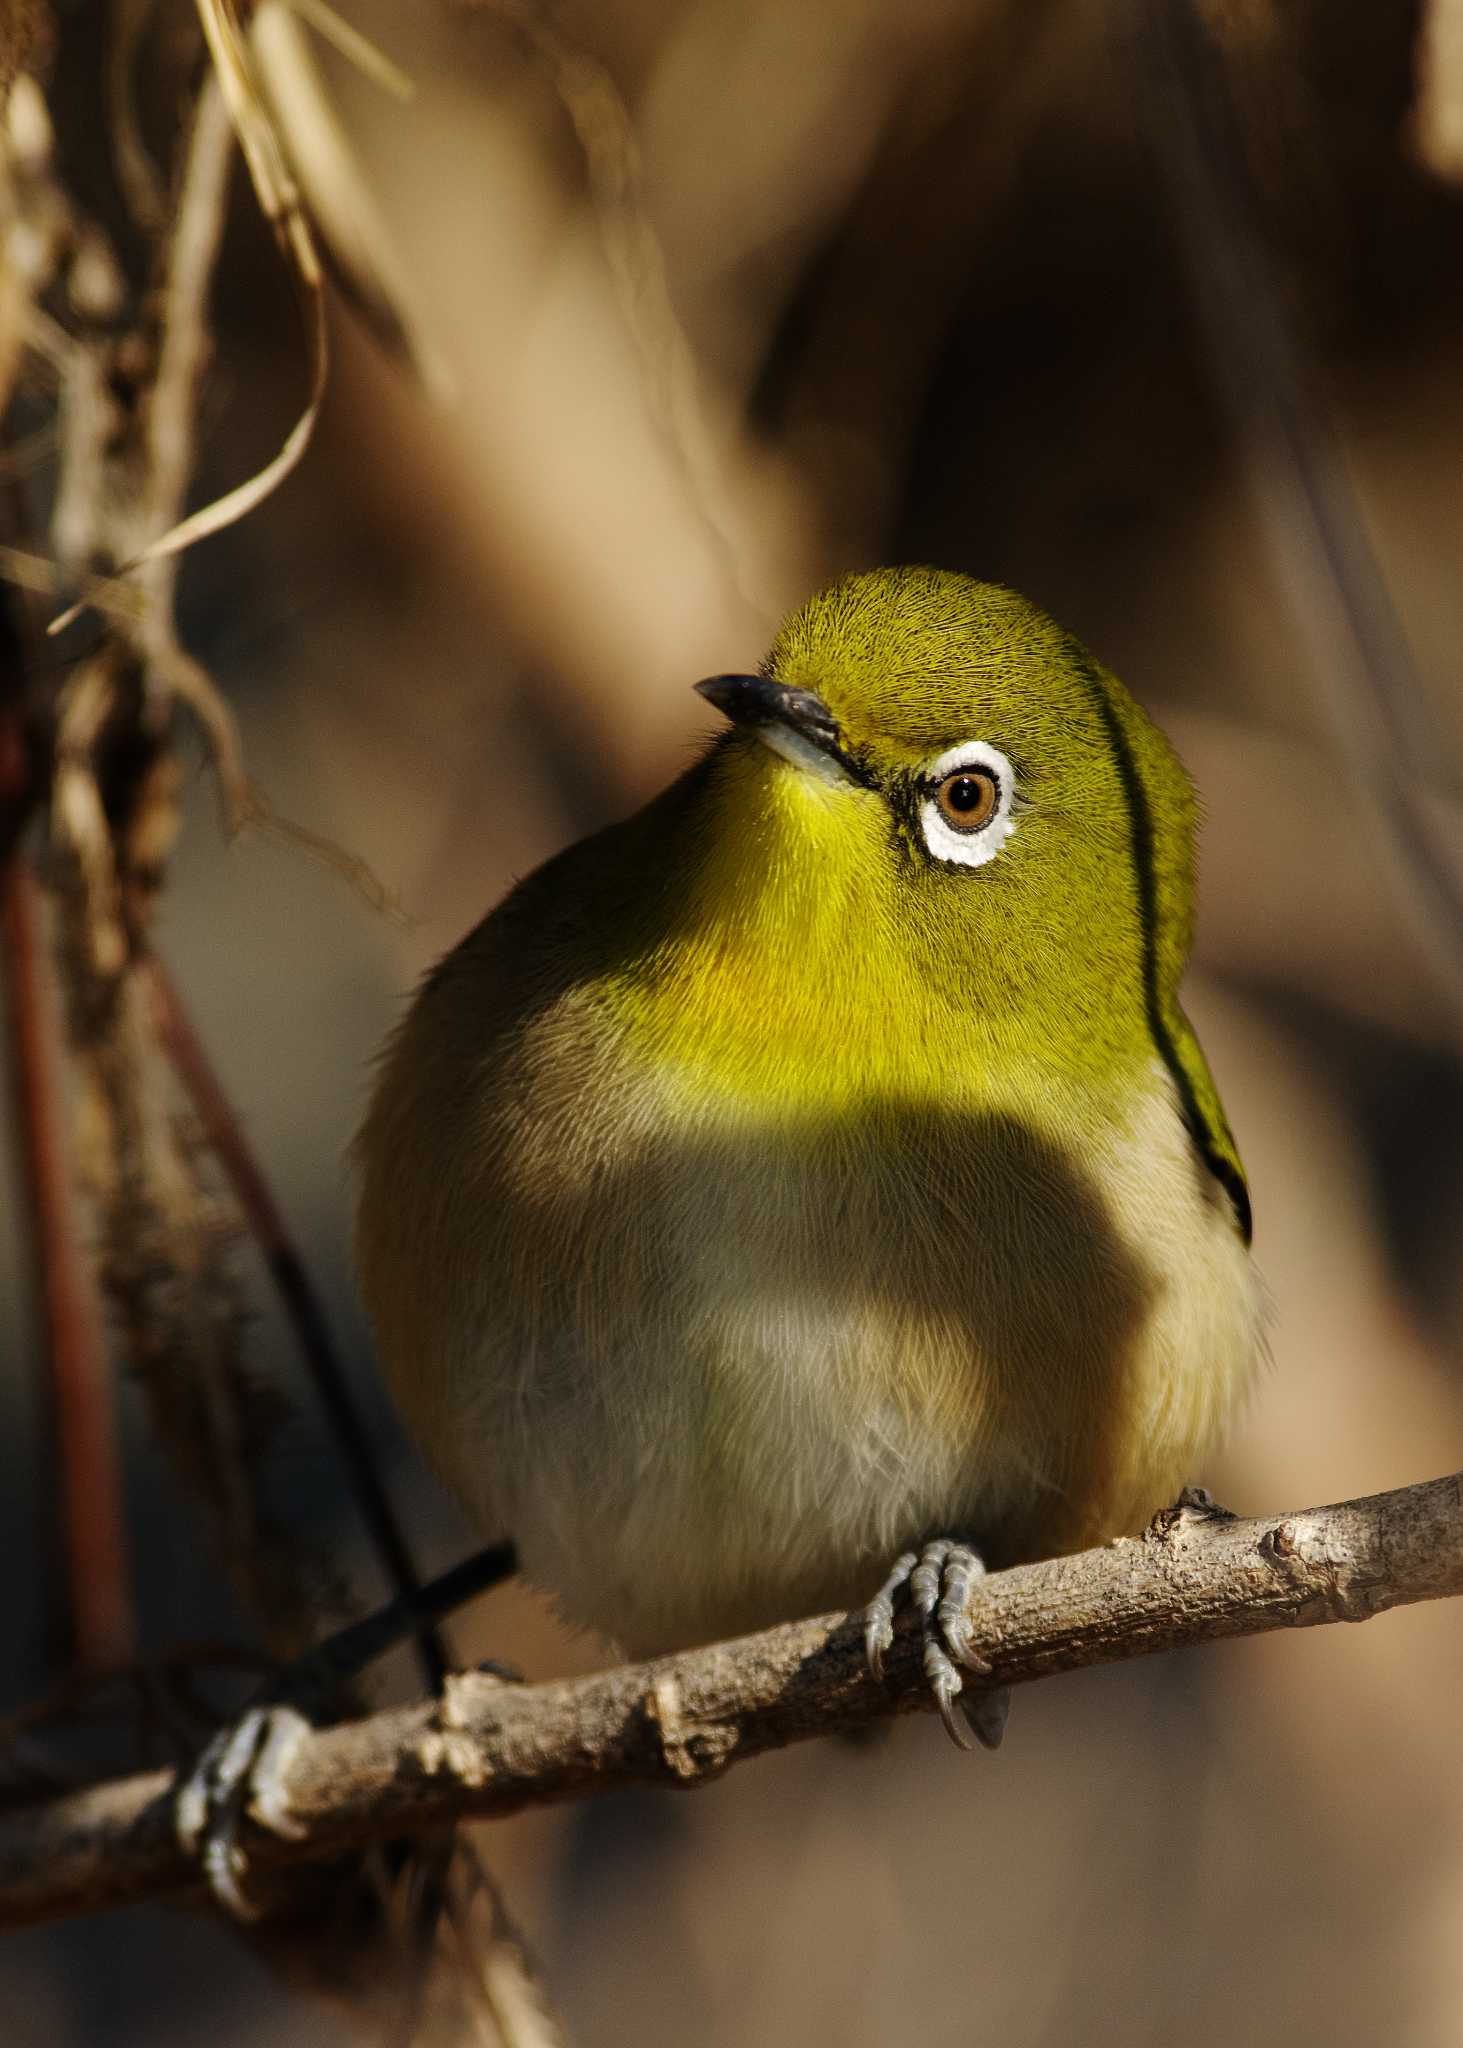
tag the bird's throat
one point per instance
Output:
(814, 966)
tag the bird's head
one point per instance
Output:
(932, 768)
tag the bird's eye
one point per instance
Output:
(968, 798)
(965, 812)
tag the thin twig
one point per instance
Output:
(127, 446)
(353, 237)
(169, 426)
(230, 1146)
(489, 1748)
(141, 182)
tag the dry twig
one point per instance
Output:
(488, 1748)
(380, 1931)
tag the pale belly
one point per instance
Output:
(724, 1382)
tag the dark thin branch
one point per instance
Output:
(489, 1748)
(231, 1147)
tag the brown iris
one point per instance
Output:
(968, 798)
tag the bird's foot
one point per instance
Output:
(242, 1774)
(244, 1771)
(1199, 1501)
(939, 1579)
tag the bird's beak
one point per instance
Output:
(794, 723)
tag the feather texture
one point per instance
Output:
(751, 1195)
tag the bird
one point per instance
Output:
(809, 1192)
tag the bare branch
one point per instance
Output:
(487, 1748)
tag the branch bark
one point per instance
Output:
(489, 1748)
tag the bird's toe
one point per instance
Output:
(939, 1579)
(879, 1614)
(243, 1771)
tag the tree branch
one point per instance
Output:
(489, 1748)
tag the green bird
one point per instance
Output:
(811, 1187)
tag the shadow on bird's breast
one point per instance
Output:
(973, 1224)
(955, 1268)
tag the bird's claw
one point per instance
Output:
(1200, 1502)
(947, 1685)
(243, 1771)
(939, 1579)
(879, 1614)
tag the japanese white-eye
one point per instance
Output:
(818, 1165)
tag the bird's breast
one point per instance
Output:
(725, 1358)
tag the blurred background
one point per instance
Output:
(720, 298)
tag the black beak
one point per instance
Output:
(758, 702)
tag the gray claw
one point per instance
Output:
(947, 1685)
(878, 1635)
(243, 1770)
(879, 1614)
(1200, 1502)
(926, 1578)
(224, 1864)
(269, 1794)
(964, 1568)
(940, 1578)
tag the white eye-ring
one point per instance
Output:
(965, 812)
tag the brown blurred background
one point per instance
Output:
(857, 283)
